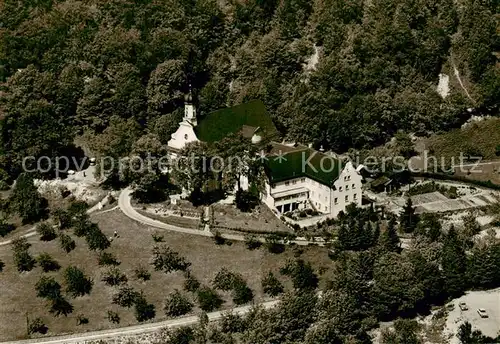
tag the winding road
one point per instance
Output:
(124, 203)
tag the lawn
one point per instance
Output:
(133, 248)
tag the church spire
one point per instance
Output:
(189, 108)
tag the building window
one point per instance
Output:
(346, 187)
(185, 136)
(294, 182)
(340, 188)
(354, 186)
(303, 180)
(336, 200)
(287, 183)
(273, 186)
(347, 198)
(355, 196)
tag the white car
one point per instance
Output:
(482, 313)
(463, 306)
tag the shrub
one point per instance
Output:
(46, 231)
(157, 237)
(81, 225)
(37, 326)
(219, 239)
(191, 284)
(252, 242)
(77, 209)
(24, 261)
(107, 258)
(61, 306)
(208, 299)
(2, 265)
(142, 273)
(274, 244)
(245, 200)
(62, 217)
(81, 320)
(176, 305)
(301, 273)
(125, 297)
(113, 276)
(47, 263)
(96, 240)
(180, 335)
(143, 310)
(225, 280)
(242, 293)
(22, 258)
(113, 317)
(66, 243)
(47, 287)
(5, 228)
(271, 285)
(77, 284)
(232, 323)
(164, 258)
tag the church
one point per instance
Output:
(297, 176)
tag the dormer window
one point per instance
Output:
(186, 137)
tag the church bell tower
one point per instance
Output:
(189, 108)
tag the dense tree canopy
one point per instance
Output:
(68, 67)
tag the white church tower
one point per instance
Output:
(190, 109)
(185, 133)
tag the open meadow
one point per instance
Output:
(133, 248)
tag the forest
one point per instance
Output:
(115, 72)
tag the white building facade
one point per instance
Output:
(306, 192)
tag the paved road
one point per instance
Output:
(124, 202)
(135, 330)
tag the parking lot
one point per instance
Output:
(489, 300)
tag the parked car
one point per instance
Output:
(482, 313)
(463, 306)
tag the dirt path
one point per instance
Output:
(457, 75)
(32, 231)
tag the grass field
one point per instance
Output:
(132, 248)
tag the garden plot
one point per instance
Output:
(428, 198)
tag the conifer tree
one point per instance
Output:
(27, 201)
(408, 219)
(454, 264)
(389, 240)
